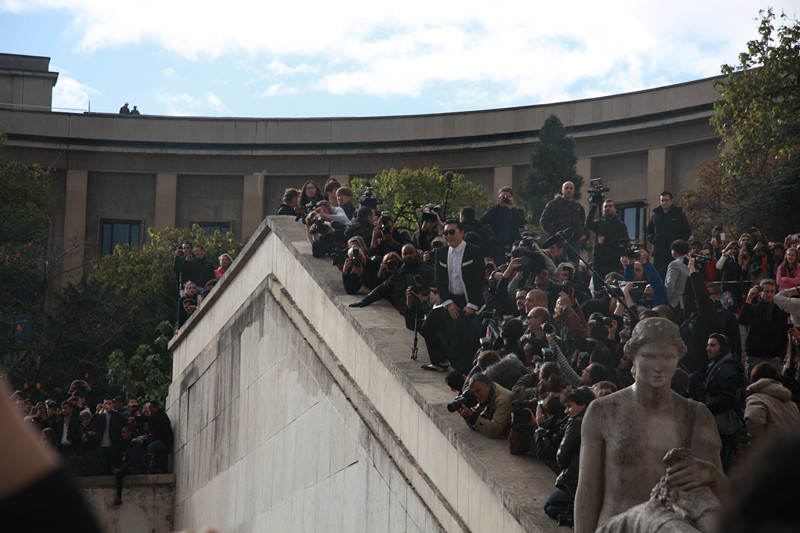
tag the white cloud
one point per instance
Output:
(168, 72)
(510, 53)
(278, 89)
(71, 95)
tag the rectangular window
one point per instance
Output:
(634, 216)
(210, 227)
(116, 232)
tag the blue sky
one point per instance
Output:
(357, 58)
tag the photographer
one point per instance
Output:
(611, 233)
(552, 420)
(363, 225)
(325, 236)
(412, 273)
(385, 238)
(358, 269)
(430, 227)
(655, 293)
(505, 371)
(505, 220)
(492, 415)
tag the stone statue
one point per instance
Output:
(668, 510)
(625, 435)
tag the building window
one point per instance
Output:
(210, 227)
(634, 215)
(119, 232)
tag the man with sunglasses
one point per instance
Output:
(451, 330)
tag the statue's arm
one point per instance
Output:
(705, 468)
(591, 480)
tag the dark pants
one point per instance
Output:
(454, 340)
(110, 456)
(159, 451)
(560, 502)
(727, 451)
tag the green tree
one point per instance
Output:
(24, 274)
(147, 373)
(552, 163)
(758, 119)
(116, 307)
(405, 191)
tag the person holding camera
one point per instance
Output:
(385, 238)
(766, 326)
(492, 415)
(325, 234)
(505, 220)
(430, 227)
(291, 203)
(358, 269)
(413, 273)
(610, 235)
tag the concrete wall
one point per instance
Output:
(148, 503)
(293, 413)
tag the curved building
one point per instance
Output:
(116, 175)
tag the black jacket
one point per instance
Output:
(472, 273)
(115, 427)
(664, 228)
(394, 288)
(560, 214)
(568, 455)
(724, 385)
(613, 230)
(701, 321)
(766, 329)
(504, 222)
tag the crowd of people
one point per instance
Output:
(114, 436)
(531, 334)
(195, 276)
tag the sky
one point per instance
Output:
(245, 58)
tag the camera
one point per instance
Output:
(179, 249)
(547, 355)
(597, 191)
(367, 198)
(338, 257)
(637, 289)
(548, 328)
(392, 264)
(467, 399)
(718, 228)
(356, 256)
(386, 230)
(626, 248)
(505, 199)
(435, 245)
(319, 226)
(430, 213)
(699, 259)
(491, 318)
(418, 287)
(520, 415)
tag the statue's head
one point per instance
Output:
(655, 330)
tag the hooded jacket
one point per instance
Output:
(769, 409)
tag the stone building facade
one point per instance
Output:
(116, 175)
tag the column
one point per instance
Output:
(166, 200)
(252, 203)
(75, 225)
(503, 177)
(658, 175)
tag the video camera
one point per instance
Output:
(520, 415)
(531, 261)
(491, 318)
(546, 356)
(432, 214)
(418, 287)
(637, 289)
(467, 399)
(597, 191)
(318, 226)
(626, 248)
(367, 198)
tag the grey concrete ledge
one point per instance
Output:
(130, 481)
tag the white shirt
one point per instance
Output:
(454, 260)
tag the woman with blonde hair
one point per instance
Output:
(788, 275)
(225, 261)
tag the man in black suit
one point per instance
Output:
(108, 426)
(451, 330)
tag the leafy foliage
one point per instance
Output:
(757, 177)
(552, 163)
(406, 191)
(147, 373)
(115, 310)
